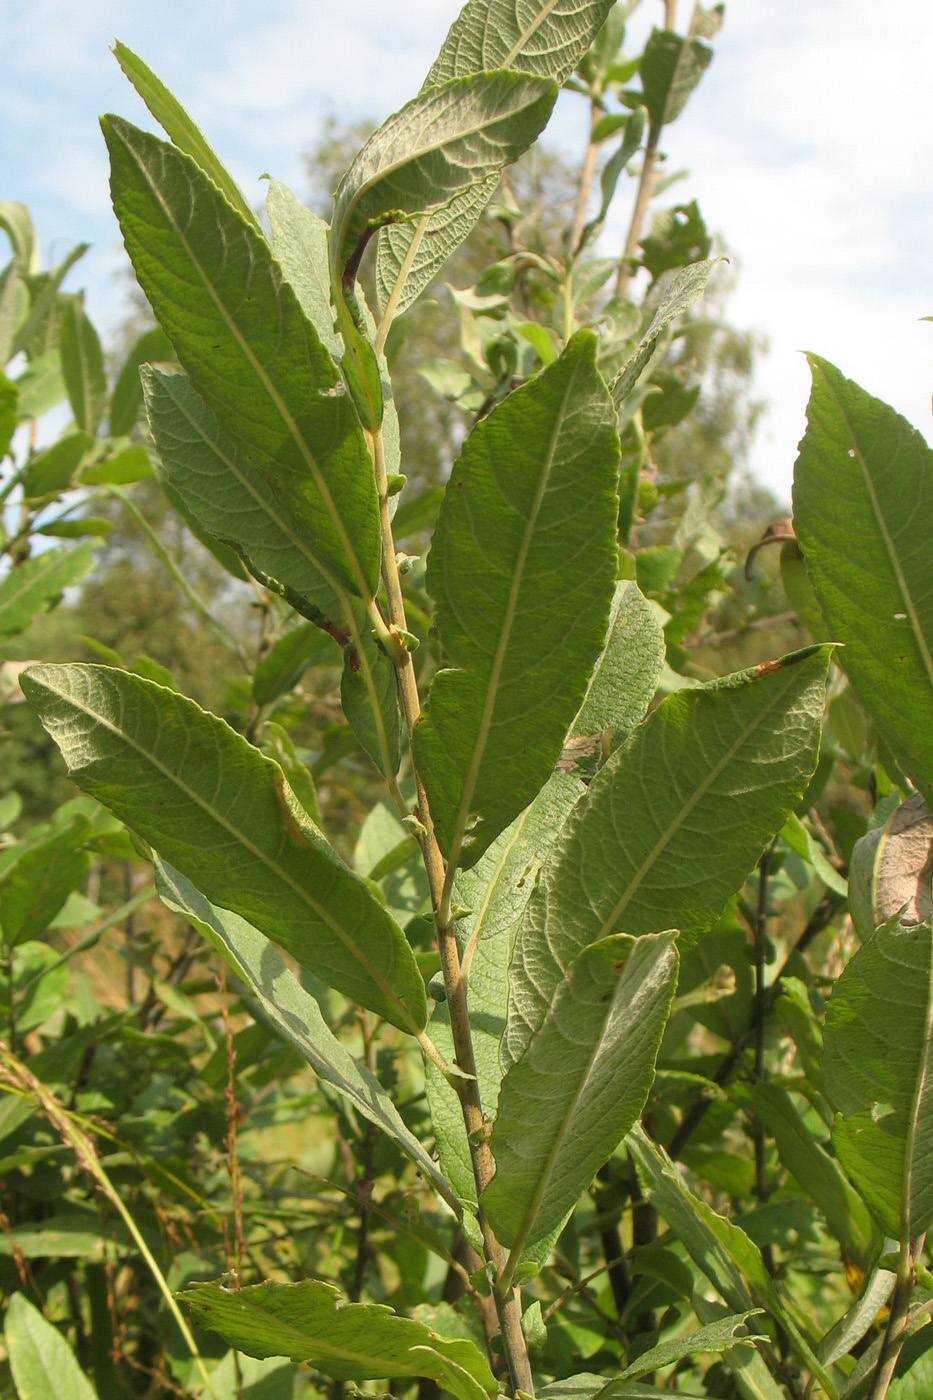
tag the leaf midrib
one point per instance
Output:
(318, 1345)
(384, 172)
(589, 1072)
(518, 576)
(242, 839)
(84, 377)
(893, 559)
(700, 791)
(265, 382)
(299, 544)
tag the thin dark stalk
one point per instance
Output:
(364, 1183)
(760, 1012)
(819, 919)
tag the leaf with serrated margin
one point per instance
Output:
(309, 1321)
(38, 581)
(222, 813)
(581, 1083)
(180, 128)
(295, 1014)
(722, 1250)
(628, 670)
(863, 502)
(877, 1067)
(214, 480)
(444, 142)
(251, 353)
(716, 1337)
(521, 572)
(672, 824)
(546, 38)
(495, 892)
(679, 294)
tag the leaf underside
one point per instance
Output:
(222, 814)
(863, 502)
(672, 824)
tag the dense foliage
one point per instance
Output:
(495, 990)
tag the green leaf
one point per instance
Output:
(581, 1083)
(126, 399)
(632, 137)
(220, 811)
(445, 141)
(521, 571)
(587, 1385)
(863, 497)
(17, 224)
(678, 237)
(309, 1321)
(83, 368)
(42, 1362)
(796, 835)
(673, 822)
(545, 38)
(753, 1379)
(287, 659)
(295, 1015)
(277, 743)
(179, 127)
(132, 464)
(34, 889)
(853, 1326)
(718, 1336)
(815, 1171)
(495, 891)
(678, 296)
(627, 672)
(876, 1063)
(299, 242)
(215, 482)
(40, 581)
(8, 415)
(51, 471)
(671, 67)
(721, 1249)
(14, 308)
(40, 386)
(256, 360)
(38, 333)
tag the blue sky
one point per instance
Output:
(809, 142)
